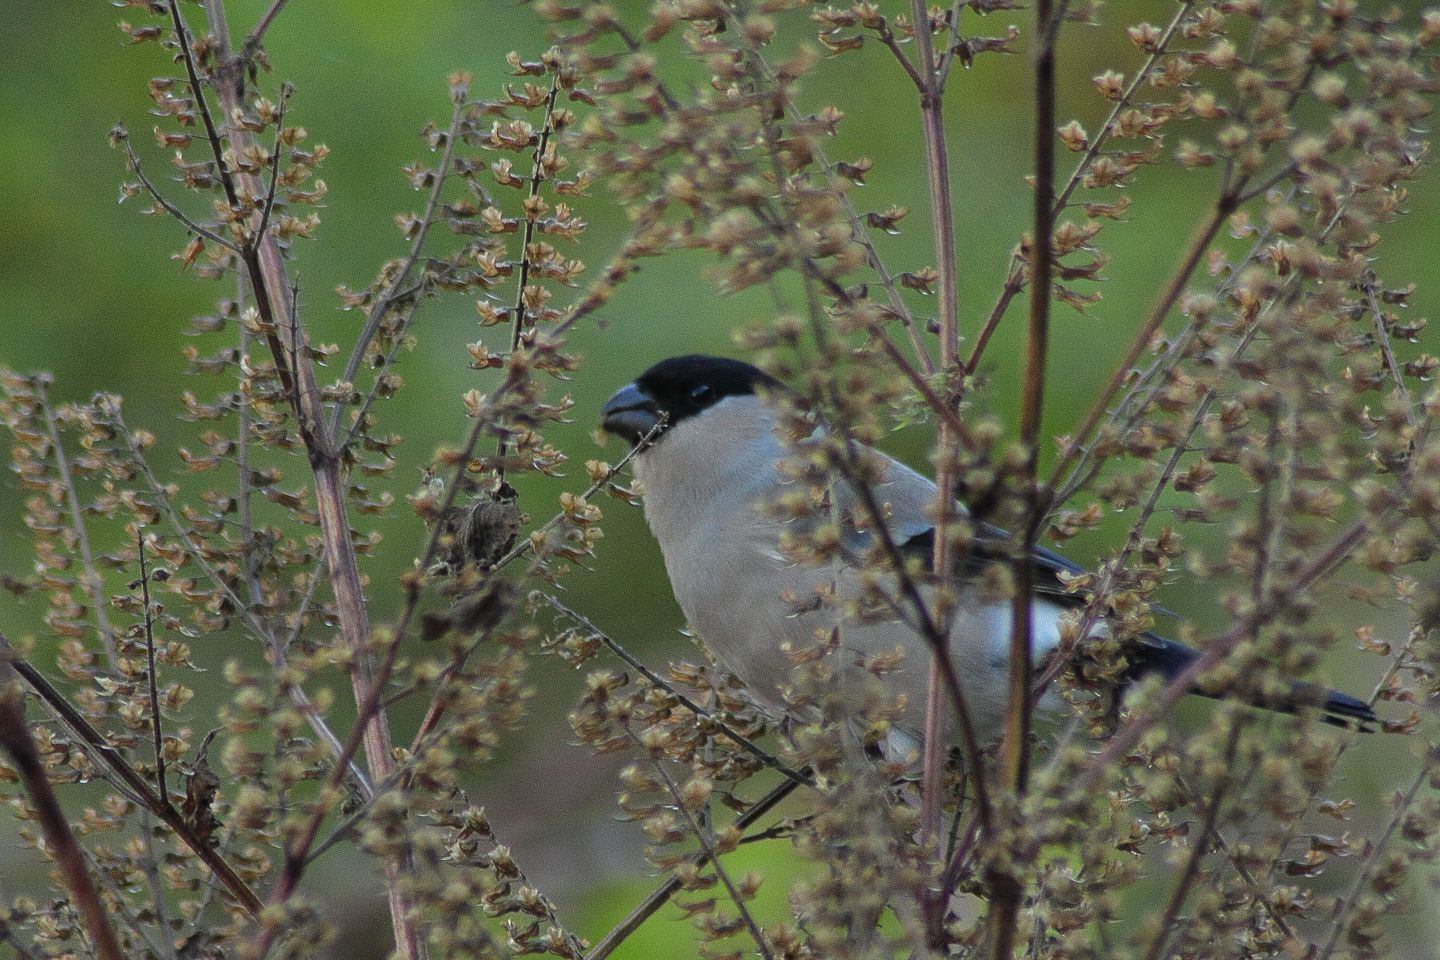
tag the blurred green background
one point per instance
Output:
(89, 293)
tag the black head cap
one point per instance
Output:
(678, 388)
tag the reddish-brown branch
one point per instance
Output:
(264, 268)
(15, 740)
(97, 745)
(942, 221)
(1006, 888)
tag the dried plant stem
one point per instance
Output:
(94, 583)
(137, 785)
(265, 268)
(1015, 748)
(739, 739)
(1189, 261)
(942, 220)
(212, 137)
(1402, 809)
(662, 894)
(1197, 845)
(707, 847)
(151, 680)
(1015, 755)
(1382, 337)
(16, 741)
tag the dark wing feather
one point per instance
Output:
(988, 547)
(1152, 653)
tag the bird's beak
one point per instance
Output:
(630, 414)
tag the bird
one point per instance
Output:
(712, 466)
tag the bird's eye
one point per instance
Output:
(701, 393)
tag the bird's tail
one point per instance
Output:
(1156, 655)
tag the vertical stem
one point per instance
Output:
(942, 219)
(152, 681)
(264, 266)
(1015, 753)
(937, 168)
(1015, 757)
(517, 324)
(94, 583)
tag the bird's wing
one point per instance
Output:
(1048, 568)
(908, 500)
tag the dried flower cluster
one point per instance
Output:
(1272, 389)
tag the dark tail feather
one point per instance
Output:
(1167, 658)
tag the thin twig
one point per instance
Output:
(1197, 844)
(277, 647)
(1271, 182)
(393, 290)
(647, 908)
(185, 219)
(151, 680)
(1362, 879)
(158, 898)
(257, 36)
(258, 236)
(707, 847)
(197, 93)
(1303, 579)
(1110, 575)
(739, 739)
(1223, 207)
(520, 549)
(94, 583)
(517, 319)
(1015, 277)
(932, 630)
(953, 41)
(922, 84)
(861, 235)
(1382, 338)
(1162, 47)
(1014, 283)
